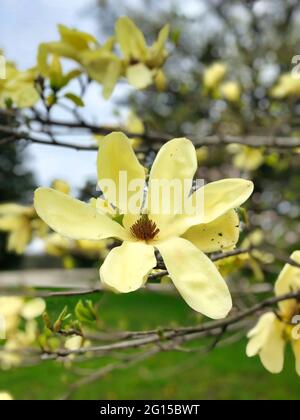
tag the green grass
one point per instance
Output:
(226, 373)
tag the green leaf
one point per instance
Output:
(64, 315)
(85, 311)
(75, 99)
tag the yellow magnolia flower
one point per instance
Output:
(10, 308)
(22, 224)
(231, 91)
(5, 396)
(126, 267)
(272, 332)
(143, 64)
(71, 44)
(213, 75)
(18, 87)
(13, 309)
(246, 158)
(287, 85)
(100, 63)
(17, 220)
(11, 356)
(59, 246)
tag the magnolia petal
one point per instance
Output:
(19, 238)
(117, 168)
(157, 51)
(74, 343)
(170, 183)
(196, 278)
(9, 223)
(221, 234)
(5, 396)
(139, 76)
(73, 218)
(220, 196)
(15, 209)
(131, 40)
(33, 309)
(296, 349)
(259, 334)
(112, 75)
(272, 352)
(126, 267)
(288, 281)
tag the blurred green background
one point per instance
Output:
(225, 373)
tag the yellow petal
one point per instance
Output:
(157, 53)
(15, 209)
(20, 237)
(266, 339)
(5, 396)
(131, 40)
(104, 67)
(175, 166)
(33, 309)
(259, 334)
(221, 234)
(221, 196)
(139, 76)
(62, 186)
(126, 267)
(213, 75)
(231, 91)
(272, 352)
(73, 218)
(111, 77)
(196, 278)
(8, 223)
(289, 278)
(160, 81)
(118, 164)
(288, 281)
(74, 343)
(296, 349)
(77, 39)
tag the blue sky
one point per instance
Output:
(26, 23)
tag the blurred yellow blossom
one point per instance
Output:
(213, 75)
(269, 337)
(61, 186)
(246, 158)
(231, 91)
(98, 61)
(5, 396)
(18, 87)
(18, 221)
(59, 246)
(287, 85)
(142, 63)
(16, 311)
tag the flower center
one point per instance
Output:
(144, 229)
